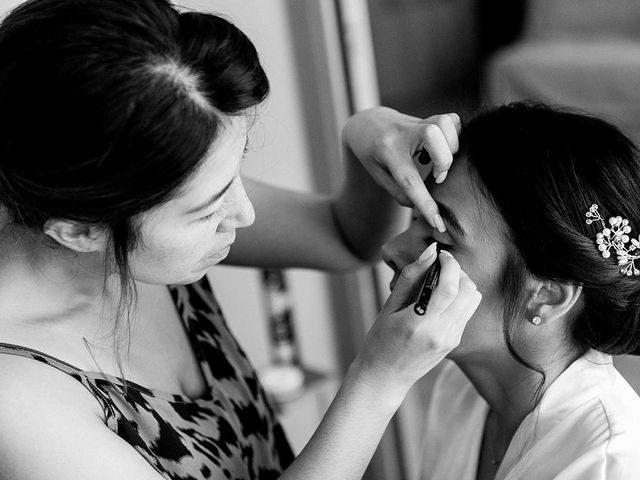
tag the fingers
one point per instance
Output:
(412, 185)
(450, 308)
(406, 288)
(464, 306)
(447, 289)
(456, 296)
(381, 139)
(391, 185)
(475, 297)
(440, 140)
(450, 125)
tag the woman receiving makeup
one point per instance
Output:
(542, 209)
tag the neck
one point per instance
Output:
(42, 282)
(511, 389)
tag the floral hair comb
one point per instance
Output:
(616, 236)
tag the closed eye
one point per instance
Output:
(217, 213)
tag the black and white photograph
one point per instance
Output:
(319, 240)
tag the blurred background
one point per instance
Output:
(329, 58)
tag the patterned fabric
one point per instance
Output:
(229, 433)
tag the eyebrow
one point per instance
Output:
(446, 213)
(218, 195)
(450, 218)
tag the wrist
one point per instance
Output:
(381, 390)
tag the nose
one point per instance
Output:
(241, 214)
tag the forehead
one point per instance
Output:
(230, 139)
(220, 165)
(223, 158)
(475, 213)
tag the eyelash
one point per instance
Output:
(217, 213)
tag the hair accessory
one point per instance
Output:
(616, 236)
(536, 320)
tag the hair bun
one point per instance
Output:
(224, 59)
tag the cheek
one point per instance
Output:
(484, 267)
(484, 270)
(484, 332)
(489, 315)
(169, 250)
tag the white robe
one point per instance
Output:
(587, 427)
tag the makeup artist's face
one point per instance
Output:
(184, 237)
(474, 237)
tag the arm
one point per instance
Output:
(345, 231)
(294, 229)
(349, 433)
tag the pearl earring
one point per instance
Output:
(536, 320)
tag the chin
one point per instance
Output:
(460, 352)
(185, 279)
(194, 277)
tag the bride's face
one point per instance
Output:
(475, 237)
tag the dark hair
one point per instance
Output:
(107, 107)
(543, 168)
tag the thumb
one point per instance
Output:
(406, 288)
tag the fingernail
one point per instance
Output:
(437, 220)
(428, 253)
(440, 178)
(446, 252)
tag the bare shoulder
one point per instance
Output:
(29, 383)
(51, 427)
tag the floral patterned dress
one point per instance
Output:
(229, 433)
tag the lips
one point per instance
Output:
(220, 253)
(224, 249)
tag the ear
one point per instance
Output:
(553, 300)
(80, 237)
